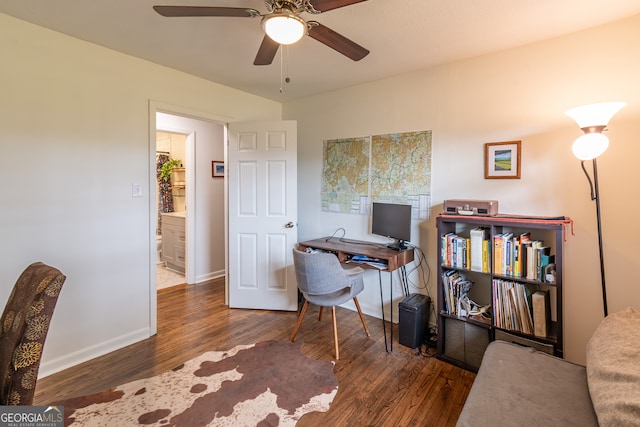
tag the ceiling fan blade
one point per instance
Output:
(266, 52)
(324, 5)
(173, 11)
(336, 41)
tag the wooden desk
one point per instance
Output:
(346, 248)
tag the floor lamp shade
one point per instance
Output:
(595, 115)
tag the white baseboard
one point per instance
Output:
(49, 367)
(210, 276)
(372, 310)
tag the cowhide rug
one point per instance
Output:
(270, 383)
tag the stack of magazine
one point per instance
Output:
(373, 262)
(456, 289)
(512, 302)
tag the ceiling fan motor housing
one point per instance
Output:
(294, 6)
(284, 26)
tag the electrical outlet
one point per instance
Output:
(136, 191)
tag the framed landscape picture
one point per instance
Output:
(502, 160)
(217, 169)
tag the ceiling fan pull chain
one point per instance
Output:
(286, 66)
(281, 72)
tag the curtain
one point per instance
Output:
(165, 197)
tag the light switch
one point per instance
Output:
(136, 190)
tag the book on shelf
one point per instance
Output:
(486, 255)
(518, 315)
(521, 242)
(545, 261)
(467, 254)
(517, 248)
(477, 237)
(506, 253)
(445, 245)
(541, 313)
(462, 252)
(524, 262)
(524, 307)
(447, 277)
(542, 260)
(532, 259)
(497, 253)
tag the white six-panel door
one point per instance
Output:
(262, 172)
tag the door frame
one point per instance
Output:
(159, 107)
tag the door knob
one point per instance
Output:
(289, 225)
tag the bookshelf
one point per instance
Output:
(499, 277)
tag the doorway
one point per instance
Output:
(204, 195)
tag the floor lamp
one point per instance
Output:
(592, 120)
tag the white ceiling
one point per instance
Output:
(402, 35)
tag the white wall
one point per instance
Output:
(75, 136)
(520, 94)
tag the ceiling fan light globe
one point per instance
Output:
(284, 28)
(590, 146)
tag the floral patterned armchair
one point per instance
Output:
(24, 326)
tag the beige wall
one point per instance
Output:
(520, 94)
(75, 137)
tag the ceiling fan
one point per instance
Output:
(285, 13)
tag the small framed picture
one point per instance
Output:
(502, 160)
(217, 169)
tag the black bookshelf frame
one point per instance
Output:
(555, 227)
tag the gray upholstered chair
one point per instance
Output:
(323, 282)
(25, 323)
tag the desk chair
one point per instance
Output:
(324, 282)
(24, 326)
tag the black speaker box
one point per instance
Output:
(414, 320)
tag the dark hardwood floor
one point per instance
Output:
(402, 388)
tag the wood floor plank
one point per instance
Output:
(376, 388)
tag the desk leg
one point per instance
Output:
(387, 346)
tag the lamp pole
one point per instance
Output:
(597, 199)
(592, 120)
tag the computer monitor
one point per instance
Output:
(393, 221)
